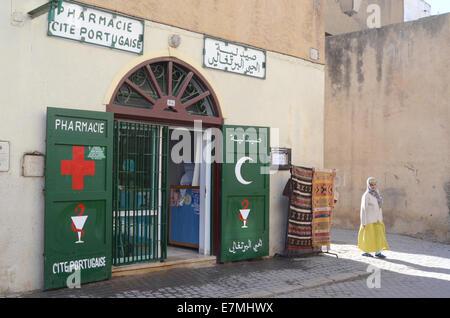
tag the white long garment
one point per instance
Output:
(370, 210)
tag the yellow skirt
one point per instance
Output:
(372, 238)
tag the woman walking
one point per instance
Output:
(372, 235)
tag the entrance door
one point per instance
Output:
(139, 192)
(77, 242)
(168, 91)
(245, 193)
(189, 176)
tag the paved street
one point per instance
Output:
(413, 268)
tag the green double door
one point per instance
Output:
(140, 198)
(245, 193)
(106, 196)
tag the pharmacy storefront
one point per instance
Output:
(142, 139)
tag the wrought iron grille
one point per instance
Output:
(140, 192)
(154, 83)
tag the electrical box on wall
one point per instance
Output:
(4, 156)
(33, 165)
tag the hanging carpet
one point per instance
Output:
(299, 232)
(322, 200)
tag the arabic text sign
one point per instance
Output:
(234, 58)
(85, 24)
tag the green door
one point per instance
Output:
(244, 230)
(78, 196)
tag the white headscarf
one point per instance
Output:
(375, 193)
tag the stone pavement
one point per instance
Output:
(413, 268)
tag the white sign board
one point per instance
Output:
(4, 155)
(235, 58)
(86, 24)
(279, 159)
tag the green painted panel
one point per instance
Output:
(245, 193)
(78, 197)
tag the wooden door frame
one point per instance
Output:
(216, 187)
(157, 115)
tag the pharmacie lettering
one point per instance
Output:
(79, 126)
(70, 266)
(87, 25)
(97, 18)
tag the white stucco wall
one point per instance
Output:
(38, 71)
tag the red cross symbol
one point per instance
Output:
(77, 167)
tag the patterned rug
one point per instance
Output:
(322, 201)
(299, 232)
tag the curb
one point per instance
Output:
(146, 268)
(308, 284)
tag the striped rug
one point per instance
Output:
(299, 232)
(322, 200)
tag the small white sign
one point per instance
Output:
(171, 102)
(86, 24)
(96, 153)
(279, 159)
(4, 155)
(314, 53)
(235, 58)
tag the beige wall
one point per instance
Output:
(336, 22)
(387, 116)
(285, 26)
(39, 71)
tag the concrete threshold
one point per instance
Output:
(169, 263)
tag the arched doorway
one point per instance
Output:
(150, 101)
(166, 90)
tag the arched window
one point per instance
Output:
(166, 90)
